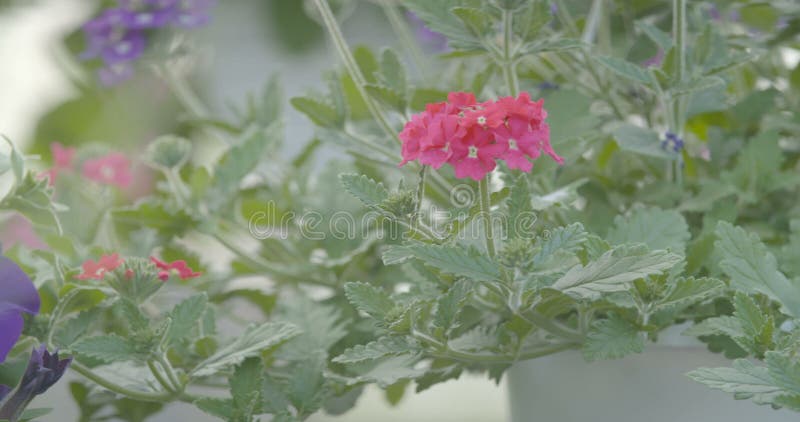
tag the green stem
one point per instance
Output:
(420, 193)
(179, 386)
(160, 377)
(592, 22)
(680, 103)
(352, 67)
(509, 63)
(485, 204)
(553, 327)
(134, 394)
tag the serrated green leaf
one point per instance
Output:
(247, 379)
(390, 370)
(221, 408)
(744, 379)
(612, 338)
(366, 190)
(108, 348)
(369, 299)
(450, 304)
(321, 327)
(753, 269)
(688, 291)
(613, 270)
(184, 316)
(568, 238)
(380, 348)
(256, 339)
(784, 370)
(625, 68)
(722, 325)
(366, 62)
(757, 325)
(456, 260)
(475, 20)
(656, 228)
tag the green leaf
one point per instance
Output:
(33, 414)
(221, 408)
(641, 141)
(380, 348)
(108, 348)
(184, 317)
(569, 239)
(369, 299)
(753, 269)
(612, 338)
(625, 68)
(438, 17)
(246, 388)
(758, 327)
(450, 305)
(321, 327)
(475, 20)
(689, 291)
(319, 112)
(784, 370)
(256, 339)
(366, 190)
(391, 370)
(656, 228)
(700, 84)
(744, 379)
(613, 271)
(387, 95)
(456, 260)
(722, 325)
(393, 72)
(366, 62)
(659, 37)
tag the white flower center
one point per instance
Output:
(473, 152)
(107, 172)
(481, 120)
(123, 47)
(512, 144)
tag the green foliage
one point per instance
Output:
(612, 338)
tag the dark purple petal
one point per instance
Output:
(16, 289)
(4, 390)
(126, 49)
(44, 370)
(11, 324)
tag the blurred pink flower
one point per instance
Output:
(18, 230)
(97, 269)
(112, 169)
(62, 160)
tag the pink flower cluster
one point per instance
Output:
(471, 136)
(111, 169)
(96, 270)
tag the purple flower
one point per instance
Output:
(17, 295)
(193, 13)
(119, 35)
(553, 8)
(44, 370)
(672, 141)
(436, 41)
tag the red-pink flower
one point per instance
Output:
(62, 160)
(96, 270)
(471, 136)
(179, 267)
(475, 155)
(112, 169)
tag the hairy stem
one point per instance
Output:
(352, 67)
(509, 64)
(486, 212)
(134, 394)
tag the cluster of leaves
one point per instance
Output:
(630, 238)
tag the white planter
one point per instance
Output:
(649, 387)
